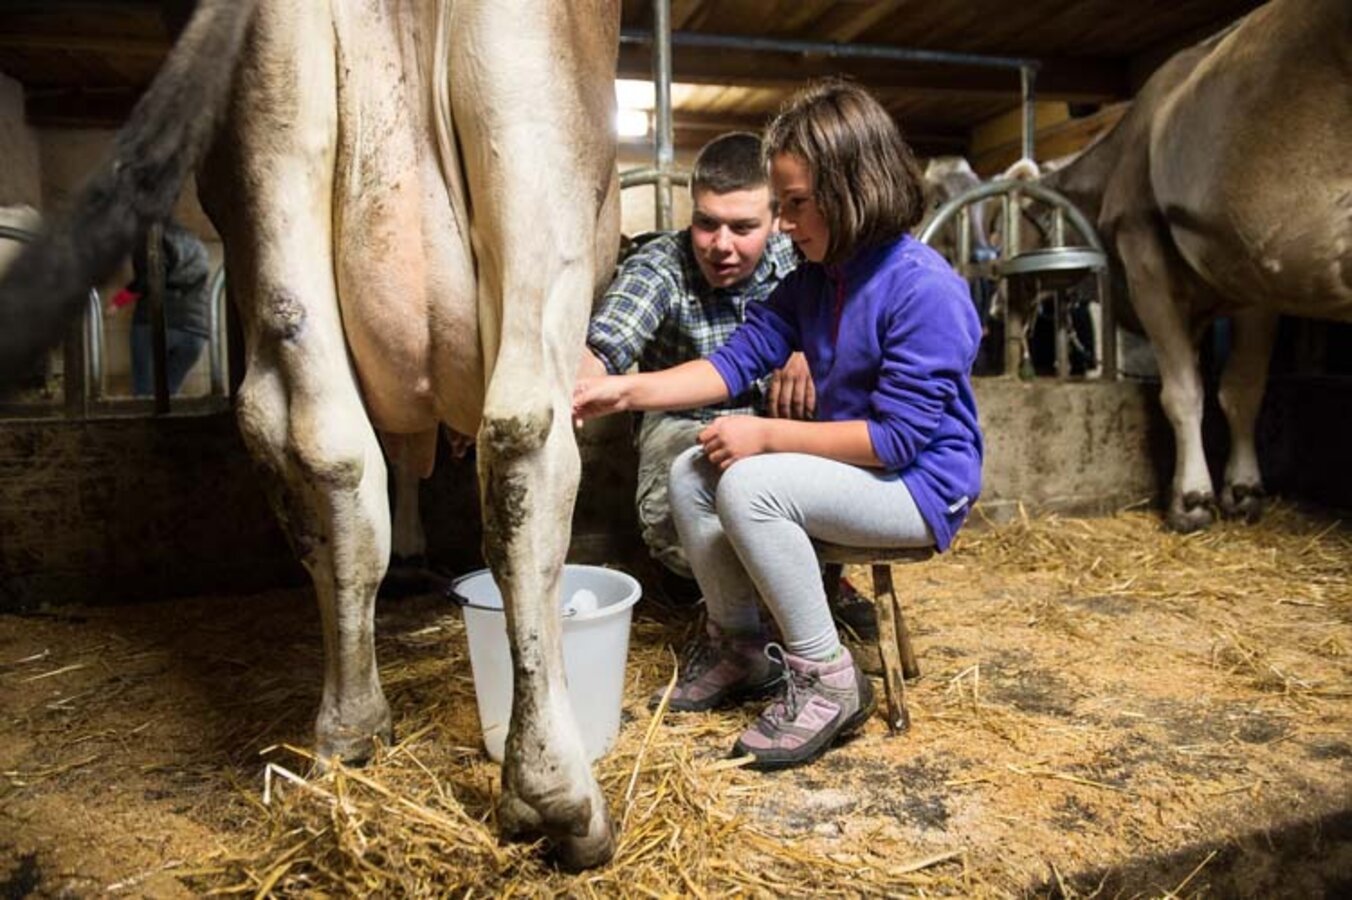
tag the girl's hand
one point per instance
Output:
(595, 397)
(730, 438)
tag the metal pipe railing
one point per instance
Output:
(1027, 93)
(217, 337)
(833, 49)
(664, 39)
(662, 131)
(1008, 186)
(639, 177)
(156, 313)
(1010, 192)
(93, 337)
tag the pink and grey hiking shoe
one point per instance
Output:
(822, 702)
(718, 670)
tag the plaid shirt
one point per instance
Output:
(660, 312)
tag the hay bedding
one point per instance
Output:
(1096, 694)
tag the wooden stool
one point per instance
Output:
(894, 640)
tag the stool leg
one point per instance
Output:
(898, 718)
(882, 584)
(831, 574)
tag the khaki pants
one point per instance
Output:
(661, 439)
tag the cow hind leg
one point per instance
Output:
(538, 163)
(302, 418)
(269, 187)
(1191, 498)
(1241, 395)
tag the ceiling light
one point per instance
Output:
(631, 123)
(632, 93)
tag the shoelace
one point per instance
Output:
(785, 710)
(699, 657)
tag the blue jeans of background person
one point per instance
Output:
(183, 350)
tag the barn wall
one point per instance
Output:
(113, 511)
(1071, 447)
(20, 169)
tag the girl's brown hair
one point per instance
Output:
(867, 183)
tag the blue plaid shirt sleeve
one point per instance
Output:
(629, 315)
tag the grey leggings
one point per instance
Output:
(749, 530)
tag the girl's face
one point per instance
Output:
(799, 216)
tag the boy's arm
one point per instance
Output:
(628, 316)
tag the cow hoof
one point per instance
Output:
(1194, 512)
(352, 745)
(573, 818)
(1243, 501)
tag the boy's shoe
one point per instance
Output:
(678, 589)
(855, 614)
(821, 703)
(717, 670)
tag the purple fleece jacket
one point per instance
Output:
(907, 337)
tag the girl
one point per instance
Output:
(894, 458)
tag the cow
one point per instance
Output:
(947, 177)
(418, 202)
(1225, 190)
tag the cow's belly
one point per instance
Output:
(403, 267)
(1289, 256)
(1248, 164)
(1260, 237)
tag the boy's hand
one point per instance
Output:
(792, 393)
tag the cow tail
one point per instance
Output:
(137, 184)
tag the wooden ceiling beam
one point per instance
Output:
(1069, 80)
(843, 22)
(694, 130)
(109, 45)
(683, 12)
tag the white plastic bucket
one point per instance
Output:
(595, 649)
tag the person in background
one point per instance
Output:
(186, 309)
(893, 457)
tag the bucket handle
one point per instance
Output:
(462, 601)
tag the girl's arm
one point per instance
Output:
(728, 439)
(687, 386)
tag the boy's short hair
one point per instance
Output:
(867, 183)
(730, 162)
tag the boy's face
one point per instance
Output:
(729, 232)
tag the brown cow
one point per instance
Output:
(1226, 190)
(417, 201)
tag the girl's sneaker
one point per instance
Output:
(821, 703)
